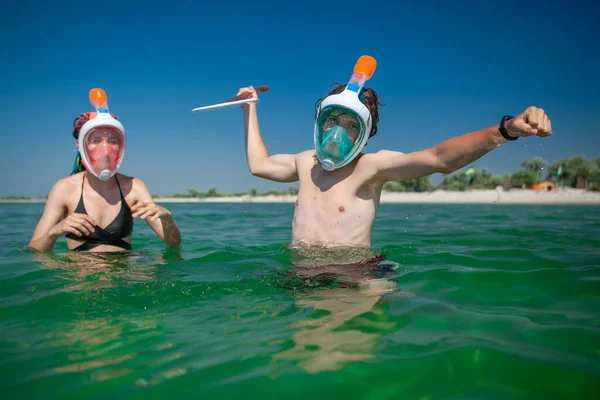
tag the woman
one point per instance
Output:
(95, 206)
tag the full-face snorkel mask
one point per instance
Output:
(101, 139)
(343, 122)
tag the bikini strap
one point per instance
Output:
(119, 185)
(82, 182)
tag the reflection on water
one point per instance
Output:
(95, 342)
(108, 348)
(339, 330)
(323, 342)
(103, 270)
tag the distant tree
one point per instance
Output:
(393, 187)
(292, 190)
(554, 170)
(506, 181)
(253, 192)
(194, 193)
(568, 170)
(458, 181)
(212, 192)
(484, 179)
(594, 185)
(470, 179)
(596, 170)
(524, 178)
(413, 185)
(536, 164)
(421, 184)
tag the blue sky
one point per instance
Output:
(444, 68)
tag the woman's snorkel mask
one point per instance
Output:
(343, 122)
(101, 141)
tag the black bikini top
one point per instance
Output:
(113, 233)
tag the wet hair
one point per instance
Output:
(80, 121)
(368, 97)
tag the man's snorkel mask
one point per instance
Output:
(101, 140)
(343, 122)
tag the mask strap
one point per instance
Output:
(77, 165)
(361, 96)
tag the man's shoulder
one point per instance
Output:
(369, 158)
(306, 156)
(307, 153)
(385, 153)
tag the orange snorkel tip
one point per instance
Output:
(98, 100)
(366, 65)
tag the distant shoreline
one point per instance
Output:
(515, 196)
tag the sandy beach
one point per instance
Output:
(515, 196)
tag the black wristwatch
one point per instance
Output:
(503, 129)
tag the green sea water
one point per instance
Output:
(472, 302)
